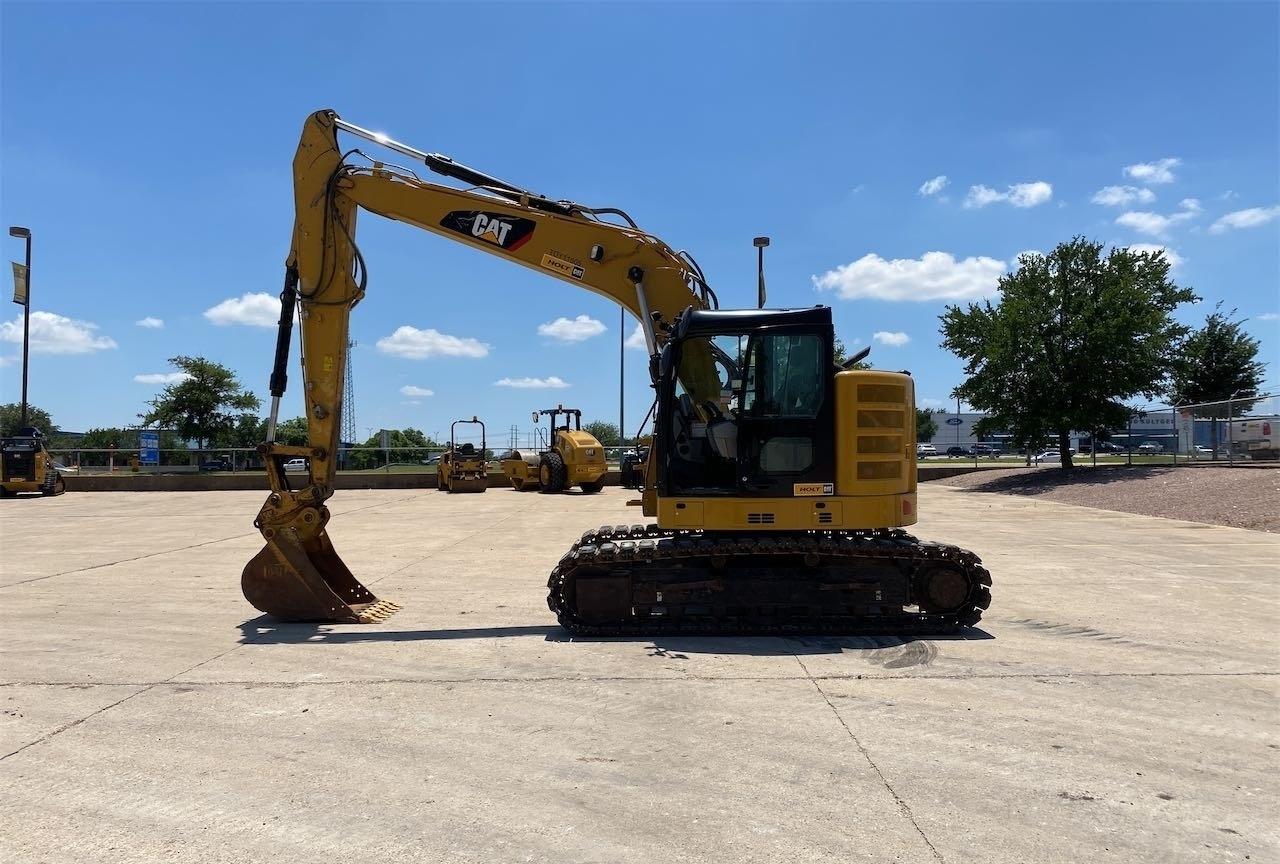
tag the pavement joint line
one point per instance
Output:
(74, 723)
(902, 804)
(606, 679)
(179, 549)
(218, 656)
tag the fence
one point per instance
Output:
(237, 459)
(1245, 430)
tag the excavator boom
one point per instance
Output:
(298, 575)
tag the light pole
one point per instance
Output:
(25, 234)
(622, 375)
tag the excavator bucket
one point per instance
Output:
(297, 580)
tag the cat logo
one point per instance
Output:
(499, 229)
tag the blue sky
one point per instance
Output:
(148, 147)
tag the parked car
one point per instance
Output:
(215, 463)
(956, 450)
(1102, 447)
(989, 450)
(1150, 447)
(298, 464)
(1047, 457)
(433, 459)
(926, 450)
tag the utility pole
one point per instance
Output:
(622, 375)
(22, 294)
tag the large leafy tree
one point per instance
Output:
(1217, 362)
(292, 432)
(926, 426)
(11, 419)
(1074, 334)
(208, 403)
(407, 446)
(606, 433)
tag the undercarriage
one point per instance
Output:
(641, 579)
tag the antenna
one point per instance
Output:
(760, 243)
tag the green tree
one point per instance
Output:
(841, 354)
(926, 426)
(606, 433)
(1074, 334)
(249, 430)
(292, 432)
(208, 402)
(409, 446)
(11, 419)
(1218, 362)
(172, 449)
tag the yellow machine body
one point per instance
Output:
(26, 467)
(738, 545)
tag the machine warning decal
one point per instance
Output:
(503, 231)
(561, 266)
(812, 489)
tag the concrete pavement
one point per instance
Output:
(1118, 703)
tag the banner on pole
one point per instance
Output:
(19, 283)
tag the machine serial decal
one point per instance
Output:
(503, 231)
(560, 265)
(807, 490)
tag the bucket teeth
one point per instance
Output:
(377, 612)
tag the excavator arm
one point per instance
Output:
(298, 575)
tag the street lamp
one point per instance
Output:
(22, 294)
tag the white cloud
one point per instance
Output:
(254, 310)
(7, 361)
(572, 329)
(418, 344)
(56, 334)
(931, 403)
(1268, 316)
(1228, 195)
(151, 323)
(1250, 218)
(1160, 171)
(1156, 224)
(932, 276)
(161, 377)
(1019, 195)
(411, 390)
(636, 339)
(410, 402)
(889, 337)
(1122, 196)
(1175, 260)
(551, 382)
(934, 186)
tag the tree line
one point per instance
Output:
(1078, 334)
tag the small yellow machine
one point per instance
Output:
(462, 468)
(27, 466)
(575, 458)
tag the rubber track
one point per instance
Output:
(614, 545)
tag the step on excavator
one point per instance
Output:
(462, 467)
(574, 457)
(780, 483)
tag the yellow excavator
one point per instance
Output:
(462, 468)
(574, 457)
(779, 481)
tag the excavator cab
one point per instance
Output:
(461, 468)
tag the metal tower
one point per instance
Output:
(347, 432)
